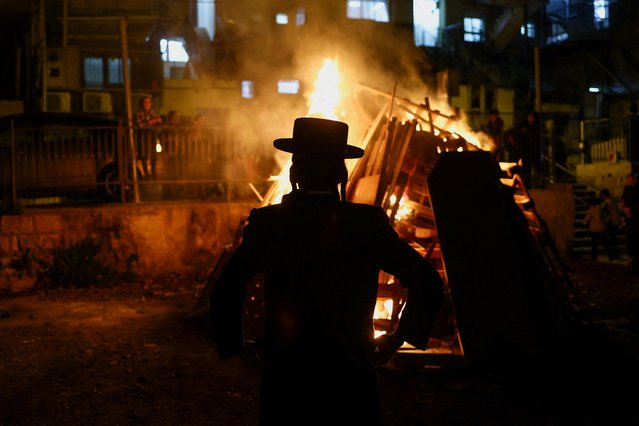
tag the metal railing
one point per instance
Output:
(531, 148)
(61, 164)
(601, 140)
(59, 161)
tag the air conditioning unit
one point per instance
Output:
(97, 102)
(59, 101)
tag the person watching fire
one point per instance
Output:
(321, 257)
(146, 138)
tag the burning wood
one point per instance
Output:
(399, 153)
(402, 145)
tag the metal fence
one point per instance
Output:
(601, 140)
(531, 148)
(59, 164)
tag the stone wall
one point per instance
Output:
(162, 238)
(605, 175)
(181, 238)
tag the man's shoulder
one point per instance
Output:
(362, 208)
(265, 212)
(364, 214)
(345, 208)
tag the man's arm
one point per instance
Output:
(424, 285)
(227, 300)
(423, 299)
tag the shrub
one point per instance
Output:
(80, 265)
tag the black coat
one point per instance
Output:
(321, 259)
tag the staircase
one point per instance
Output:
(581, 236)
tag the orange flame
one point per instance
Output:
(324, 101)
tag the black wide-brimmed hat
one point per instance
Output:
(319, 138)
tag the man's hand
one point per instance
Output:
(251, 354)
(385, 347)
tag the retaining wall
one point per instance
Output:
(162, 238)
(181, 238)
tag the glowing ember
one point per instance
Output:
(158, 147)
(383, 309)
(402, 211)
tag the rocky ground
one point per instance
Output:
(126, 356)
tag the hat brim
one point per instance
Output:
(287, 145)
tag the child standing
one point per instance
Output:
(611, 215)
(595, 223)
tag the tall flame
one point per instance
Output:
(325, 99)
(323, 103)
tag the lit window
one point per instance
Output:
(173, 50)
(473, 29)
(206, 16)
(93, 72)
(601, 13)
(281, 19)
(247, 89)
(557, 34)
(300, 17)
(288, 87)
(115, 71)
(528, 30)
(373, 10)
(426, 22)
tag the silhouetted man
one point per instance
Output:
(321, 256)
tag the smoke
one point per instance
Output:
(379, 55)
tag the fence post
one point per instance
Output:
(127, 98)
(582, 142)
(121, 163)
(14, 197)
(632, 138)
(551, 155)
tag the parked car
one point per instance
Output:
(59, 154)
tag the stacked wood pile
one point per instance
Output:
(402, 146)
(393, 173)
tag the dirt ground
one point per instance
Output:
(126, 356)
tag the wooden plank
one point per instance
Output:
(390, 158)
(400, 159)
(368, 144)
(365, 190)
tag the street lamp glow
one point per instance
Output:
(594, 89)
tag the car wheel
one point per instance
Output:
(108, 183)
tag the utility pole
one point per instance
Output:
(129, 112)
(42, 29)
(537, 82)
